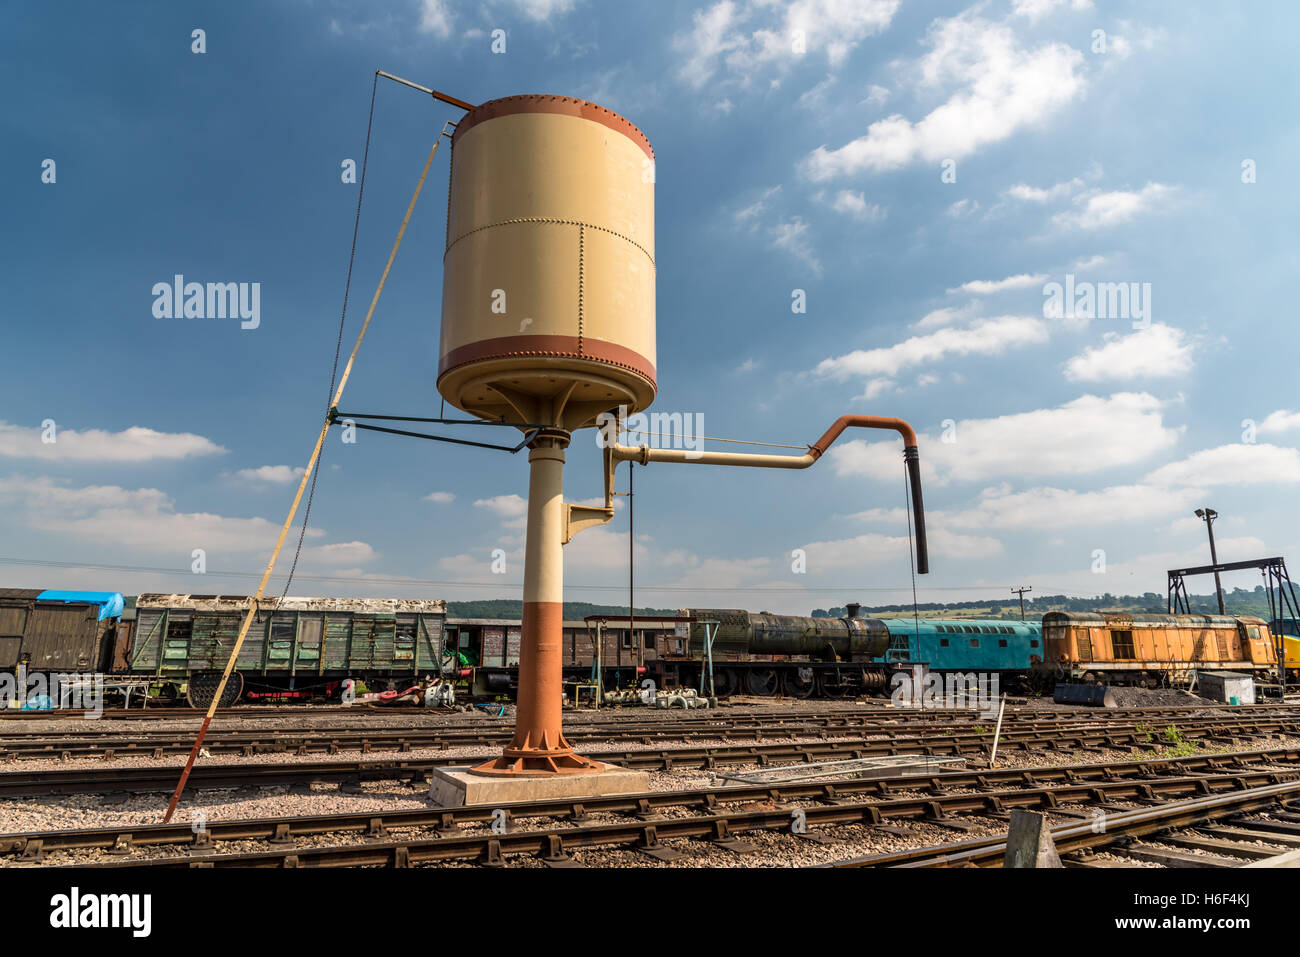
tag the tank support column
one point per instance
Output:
(539, 745)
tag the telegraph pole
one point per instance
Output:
(1208, 515)
(1021, 593)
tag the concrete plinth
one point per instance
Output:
(454, 787)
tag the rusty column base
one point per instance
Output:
(525, 760)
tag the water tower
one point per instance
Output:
(548, 320)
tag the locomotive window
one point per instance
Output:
(1002, 642)
(648, 639)
(282, 627)
(179, 629)
(1254, 631)
(943, 642)
(974, 642)
(1122, 642)
(1033, 642)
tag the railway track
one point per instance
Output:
(149, 779)
(297, 712)
(1080, 732)
(1215, 787)
(1175, 831)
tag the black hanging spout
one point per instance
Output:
(913, 459)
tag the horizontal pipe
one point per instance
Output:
(911, 457)
(450, 100)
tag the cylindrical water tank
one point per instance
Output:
(548, 297)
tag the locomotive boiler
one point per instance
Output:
(765, 654)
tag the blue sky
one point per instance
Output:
(923, 172)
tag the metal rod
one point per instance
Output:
(443, 438)
(453, 101)
(997, 733)
(439, 421)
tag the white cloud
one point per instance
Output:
(1036, 9)
(136, 444)
(1130, 37)
(963, 207)
(984, 337)
(1048, 508)
(435, 18)
(1099, 210)
(440, 498)
(876, 95)
(339, 553)
(1089, 434)
(842, 555)
(1159, 351)
(744, 40)
(1237, 464)
(146, 520)
(1146, 572)
(985, 287)
(874, 389)
(1282, 420)
(542, 10)
(792, 236)
(1035, 194)
(506, 506)
(944, 316)
(1000, 89)
(275, 474)
(856, 205)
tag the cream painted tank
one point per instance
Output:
(548, 297)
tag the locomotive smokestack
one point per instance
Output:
(851, 609)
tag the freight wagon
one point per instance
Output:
(1152, 650)
(58, 631)
(487, 651)
(303, 646)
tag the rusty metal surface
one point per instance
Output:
(229, 603)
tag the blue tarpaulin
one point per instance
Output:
(110, 603)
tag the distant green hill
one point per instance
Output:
(1238, 601)
(511, 608)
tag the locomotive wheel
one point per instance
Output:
(763, 681)
(832, 685)
(796, 686)
(724, 682)
(202, 688)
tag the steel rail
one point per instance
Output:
(1058, 736)
(1066, 781)
(1143, 822)
(1247, 790)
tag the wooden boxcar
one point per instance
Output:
(488, 648)
(56, 631)
(1153, 649)
(304, 644)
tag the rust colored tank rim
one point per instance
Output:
(548, 103)
(553, 347)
